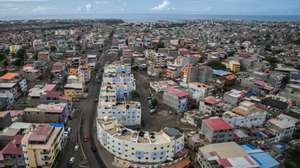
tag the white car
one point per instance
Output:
(71, 161)
(76, 148)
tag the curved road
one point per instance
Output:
(89, 113)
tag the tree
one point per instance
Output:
(2, 56)
(135, 94)
(290, 164)
(216, 65)
(35, 56)
(52, 48)
(273, 61)
(154, 102)
(20, 57)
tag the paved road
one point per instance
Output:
(89, 114)
(83, 123)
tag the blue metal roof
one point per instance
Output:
(57, 124)
(220, 72)
(264, 159)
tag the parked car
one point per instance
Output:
(71, 161)
(76, 148)
(85, 138)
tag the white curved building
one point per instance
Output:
(115, 113)
(140, 147)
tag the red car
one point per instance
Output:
(85, 138)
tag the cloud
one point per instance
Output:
(40, 9)
(88, 7)
(164, 5)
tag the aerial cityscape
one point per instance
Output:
(150, 84)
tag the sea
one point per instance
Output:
(159, 17)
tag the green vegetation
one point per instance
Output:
(52, 48)
(273, 61)
(216, 65)
(135, 94)
(20, 57)
(35, 56)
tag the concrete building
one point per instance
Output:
(139, 147)
(282, 127)
(234, 66)
(211, 105)
(227, 155)
(74, 90)
(176, 99)
(13, 154)
(245, 115)
(47, 113)
(216, 129)
(233, 96)
(92, 59)
(5, 119)
(115, 92)
(41, 146)
(264, 159)
(12, 86)
(199, 90)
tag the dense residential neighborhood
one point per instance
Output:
(186, 94)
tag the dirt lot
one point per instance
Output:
(164, 116)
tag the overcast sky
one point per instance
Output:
(205, 7)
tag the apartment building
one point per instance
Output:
(92, 59)
(176, 99)
(233, 96)
(228, 154)
(211, 105)
(41, 146)
(234, 66)
(216, 129)
(74, 90)
(139, 146)
(282, 127)
(12, 86)
(199, 90)
(245, 115)
(47, 113)
(13, 154)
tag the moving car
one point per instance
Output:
(85, 138)
(76, 148)
(71, 161)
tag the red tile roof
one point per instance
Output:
(212, 100)
(11, 148)
(9, 76)
(3, 114)
(177, 92)
(217, 124)
(42, 133)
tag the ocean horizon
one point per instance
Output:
(157, 17)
